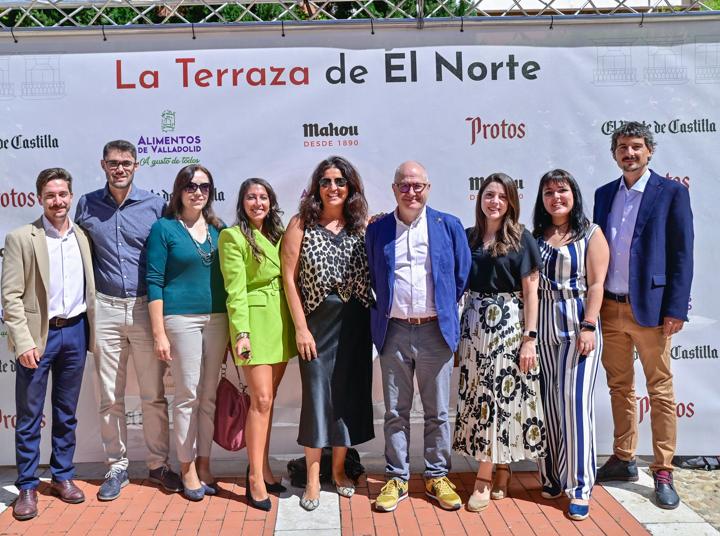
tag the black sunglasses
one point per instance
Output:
(192, 187)
(340, 182)
(416, 187)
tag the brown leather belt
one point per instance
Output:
(60, 322)
(417, 321)
(620, 298)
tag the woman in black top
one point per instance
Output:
(499, 418)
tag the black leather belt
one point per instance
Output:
(620, 298)
(417, 321)
(57, 322)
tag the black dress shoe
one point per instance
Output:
(665, 493)
(616, 469)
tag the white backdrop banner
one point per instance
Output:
(522, 99)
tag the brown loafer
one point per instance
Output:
(25, 506)
(67, 491)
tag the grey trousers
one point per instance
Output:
(419, 351)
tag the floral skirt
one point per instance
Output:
(499, 416)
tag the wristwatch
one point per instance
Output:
(529, 334)
(242, 335)
(588, 326)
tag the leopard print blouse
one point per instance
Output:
(333, 264)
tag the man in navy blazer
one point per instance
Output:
(419, 262)
(648, 222)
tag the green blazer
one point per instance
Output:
(256, 301)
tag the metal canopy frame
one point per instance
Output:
(46, 14)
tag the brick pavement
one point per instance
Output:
(143, 509)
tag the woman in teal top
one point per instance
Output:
(186, 299)
(261, 328)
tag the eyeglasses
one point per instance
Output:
(340, 182)
(416, 187)
(192, 187)
(114, 164)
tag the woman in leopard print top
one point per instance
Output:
(332, 263)
(327, 286)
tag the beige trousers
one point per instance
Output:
(122, 329)
(197, 348)
(620, 334)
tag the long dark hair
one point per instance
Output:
(272, 226)
(508, 235)
(355, 209)
(542, 220)
(185, 177)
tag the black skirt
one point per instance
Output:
(336, 387)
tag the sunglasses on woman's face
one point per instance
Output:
(192, 187)
(340, 182)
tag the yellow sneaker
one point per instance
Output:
(394, 491)
(443, 491)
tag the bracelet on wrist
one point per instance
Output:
(242, 335)
(586, 325)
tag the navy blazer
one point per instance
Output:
(450, 261)
(661, 251)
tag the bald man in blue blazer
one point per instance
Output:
(419, 262)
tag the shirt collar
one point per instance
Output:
(133, 194)
(639, 186)
(421, 218)
(52, 231)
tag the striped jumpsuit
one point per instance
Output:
(567, 378)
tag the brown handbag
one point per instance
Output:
(231, 409)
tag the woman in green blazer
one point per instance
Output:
(261, 328)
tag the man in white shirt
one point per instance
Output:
(48, 292)
(419, 262)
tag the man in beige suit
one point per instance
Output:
(48, 293)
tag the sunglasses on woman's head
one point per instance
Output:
(192, 187)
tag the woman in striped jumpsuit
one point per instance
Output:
(575, 259)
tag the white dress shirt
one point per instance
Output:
(622, 218)
(67, 276)
(414, 289)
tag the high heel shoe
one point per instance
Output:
(478, 505)
(265, 505)
(275, 487)
(501, 492)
